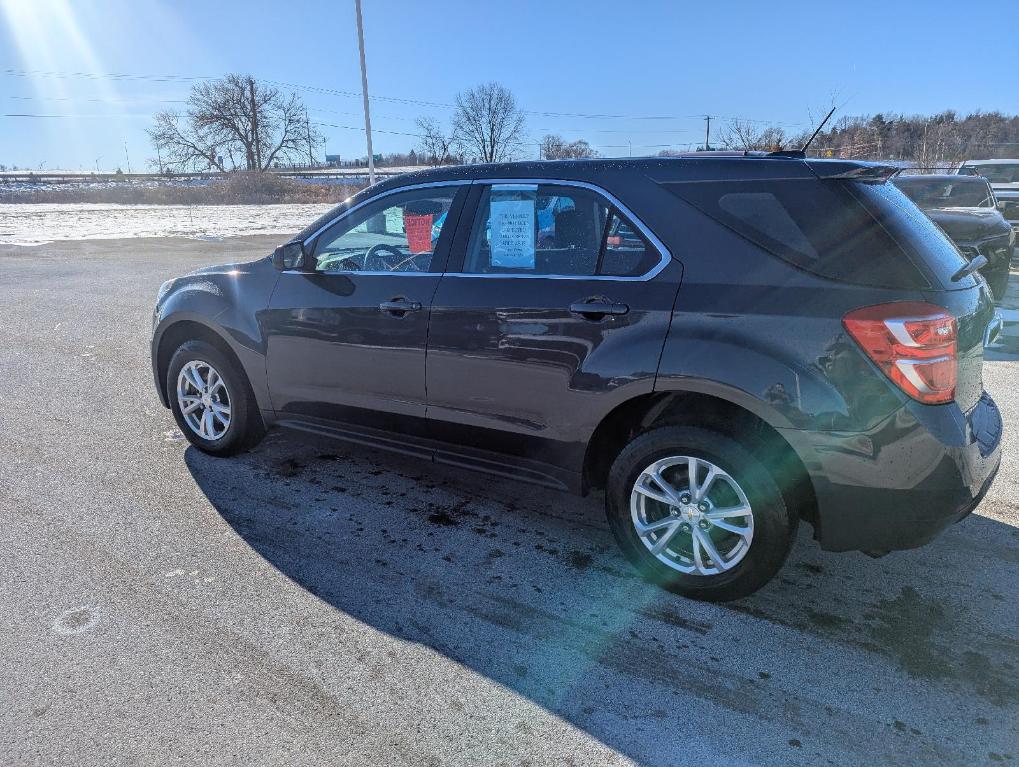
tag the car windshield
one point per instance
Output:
(958, 192)
(997, 173)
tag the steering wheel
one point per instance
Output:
(411, 259)
(374, 257)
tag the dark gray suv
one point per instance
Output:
(726, 344)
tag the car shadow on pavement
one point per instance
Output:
(848, 655)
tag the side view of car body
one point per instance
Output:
(966, 208)
(724, 344)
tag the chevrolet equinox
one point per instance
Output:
(726, 344)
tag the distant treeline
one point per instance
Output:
(944, 138)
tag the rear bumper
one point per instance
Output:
(900, 484)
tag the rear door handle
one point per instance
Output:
(592, 309)
(400, 306)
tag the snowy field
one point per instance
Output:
(35, 224)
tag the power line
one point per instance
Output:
(361, 128)
(75, 116)
(72, 99)
(318, 109)
(608, 130)
(120, 76)
(100, 76)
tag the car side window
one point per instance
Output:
(397, 233)
(547, 229)
(625, 252)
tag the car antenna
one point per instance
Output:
(814, 134)
(802, 151)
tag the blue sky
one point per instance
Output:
(770, 61)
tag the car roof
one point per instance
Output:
(694, 166)
(690, 166)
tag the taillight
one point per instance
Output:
(913, 343)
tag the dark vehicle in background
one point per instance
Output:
(726, 344)
(966, 208)
(1003, 176)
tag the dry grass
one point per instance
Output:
(237, 189)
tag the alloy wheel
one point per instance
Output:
(692, 515)
(204, 400)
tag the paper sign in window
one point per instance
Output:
(512, 226)
(418, 228)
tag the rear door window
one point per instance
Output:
(548, 229)
(832, 228)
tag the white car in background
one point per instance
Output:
(1004, 178)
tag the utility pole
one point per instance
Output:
(257, 148)
(364, 94)
(707, 132)
(307, 128)
(127, 157)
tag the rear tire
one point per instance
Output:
(212, 400)
(751, 546)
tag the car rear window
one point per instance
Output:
(996, 173)
(844, 230)
(956, 192)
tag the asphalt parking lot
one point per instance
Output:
(315, 603)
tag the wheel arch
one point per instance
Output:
(691, 407)
(180, 331)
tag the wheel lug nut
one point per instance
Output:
(703, 525)
(702, 506)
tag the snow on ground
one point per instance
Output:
(87, 183)
(35, 224)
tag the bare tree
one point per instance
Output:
(487, 123)
(936, 144)
(232, 123)
(554, 147)
(747, 136)
(436, 144)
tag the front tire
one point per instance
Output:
(211, 400)
(698, 514)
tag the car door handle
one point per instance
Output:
(598, 309)
(400, 306)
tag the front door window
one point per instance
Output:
(398, 233)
